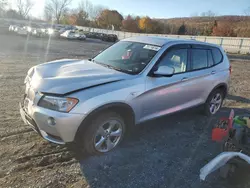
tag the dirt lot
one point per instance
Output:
(167, 152)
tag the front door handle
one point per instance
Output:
(184, 79)
(213, 72)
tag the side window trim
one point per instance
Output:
(189, 60)
(211, 53)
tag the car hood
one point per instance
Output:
(68, 75)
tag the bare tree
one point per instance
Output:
(208, 14)
(24, 7)
(93, 11)
(97, 11)
(56, 8)
(3, 4)
(86, 6)
(195, 14)
(247, 11)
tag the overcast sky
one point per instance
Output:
(162, 8)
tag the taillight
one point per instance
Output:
(230, 69)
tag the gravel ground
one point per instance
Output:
(167, 152)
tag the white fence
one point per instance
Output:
(230, 44)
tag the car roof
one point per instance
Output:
(161, 41)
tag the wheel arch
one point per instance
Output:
(223, 87)
(121, 108)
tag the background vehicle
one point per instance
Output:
(40, 31)
(23, 30)
(16, 27)
(94, 35)
(11, 28)
(94, 102)
(109, 37)
(73, 34)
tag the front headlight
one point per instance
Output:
(61, 104)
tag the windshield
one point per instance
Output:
(128, 57)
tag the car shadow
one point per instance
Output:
(238, 99)
(166, 152)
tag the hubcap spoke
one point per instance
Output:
(217, 97)
(109, 144)
(111, 125)
(99, 144)
(212, 108)
(116, 133)
(101, 131)
(218, 103)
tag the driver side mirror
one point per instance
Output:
(164, 71)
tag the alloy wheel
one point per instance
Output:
(108, 135)
(215, 103)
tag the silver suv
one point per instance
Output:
(93, 102)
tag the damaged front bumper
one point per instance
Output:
(64, 129)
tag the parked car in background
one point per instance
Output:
(23, 30)
(72, 34)
(109, 37)
(16, 27)
(94, 102)
(93, 35)
(11, 28)
(40, 31)
(31, 28)
(65, 28)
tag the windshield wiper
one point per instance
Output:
(114, 68)
(109, 66)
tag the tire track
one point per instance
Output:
(15, 133)
(29, 157)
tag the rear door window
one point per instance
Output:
(199, 59)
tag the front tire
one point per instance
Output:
(214, 102)
(103, 134)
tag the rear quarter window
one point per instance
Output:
(217, 55)
(210, 58)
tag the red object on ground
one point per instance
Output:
(219, 133)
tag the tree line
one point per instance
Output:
(90, 15)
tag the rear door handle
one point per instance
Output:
(213, 72)
(184, 79)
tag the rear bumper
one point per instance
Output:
(64, 129)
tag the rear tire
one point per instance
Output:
(103, 133)
(214, 102)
